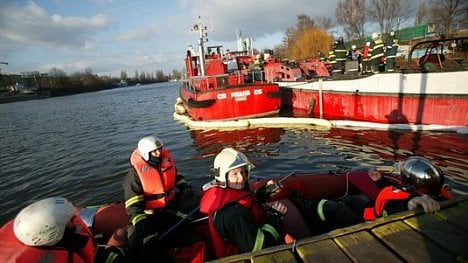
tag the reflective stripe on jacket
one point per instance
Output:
(377, 49)
(392, 50)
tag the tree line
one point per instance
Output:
(58, 83)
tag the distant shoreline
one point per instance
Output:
(9, 97)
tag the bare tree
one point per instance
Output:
(57, 73)
(160, 75)
(324, 22)
(421, 14)
(142, 76)
(350, 14)
(389, 14)
(444, 13)
(89, 71)
(123, 75)
(176, 74)
(304, 21)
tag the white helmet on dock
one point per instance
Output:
(148, 144)
(43, 223)
(420, 173)
(227, 160)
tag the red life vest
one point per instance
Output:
(12, 250)
(158, 187)
(362, 181)
(387, 194)
(215, 199)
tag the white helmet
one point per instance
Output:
(353, 47)
(147, 145)
(43, 223)
(227, 160)
(375, 36)
(368, 44)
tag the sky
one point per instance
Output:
(110, 36)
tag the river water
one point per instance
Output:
(78, 146)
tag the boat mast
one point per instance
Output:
(202, 39)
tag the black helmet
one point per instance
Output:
(420, 173)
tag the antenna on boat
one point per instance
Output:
(203, 37)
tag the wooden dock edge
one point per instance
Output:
(410, 236)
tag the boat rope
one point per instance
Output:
(347, 187)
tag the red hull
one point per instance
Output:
(232, 102)
(382, 109)
(434, 98)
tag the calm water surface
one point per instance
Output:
(78, 146)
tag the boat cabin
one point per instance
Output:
(221, 70)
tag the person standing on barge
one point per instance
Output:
(377, 54)
(391, 51)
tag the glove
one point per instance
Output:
(428, 204)
(268, 190)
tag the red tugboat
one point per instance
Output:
(219, 86)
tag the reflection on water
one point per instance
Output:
(78, 146)
(302, 150)
(211, 142)
(447, 150)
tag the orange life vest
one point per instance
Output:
(365, 52)
(215, 199)
(158, 185)
(12, 250)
